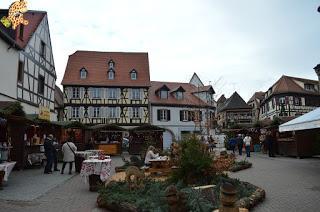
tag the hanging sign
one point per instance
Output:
(44, 113)
(15, 15)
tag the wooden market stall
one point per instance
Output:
(108, 137)
(143, 136)
(300, 137)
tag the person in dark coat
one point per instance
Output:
(233, 143)
(55, 155)
(240, 143)
(48, 151)
(269, 141)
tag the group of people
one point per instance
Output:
(239, 141)
(51, 151)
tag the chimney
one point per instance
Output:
(317, 70)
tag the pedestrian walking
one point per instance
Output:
(232, 144)
(240, 143)
(68, 150)
(48, 151)
(247, 142)
(55, 155)
(270, 142)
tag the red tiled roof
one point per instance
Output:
(286, 84)
(34, 18)
(96, 64)
(257, 95)
(189, 99)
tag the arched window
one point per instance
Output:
(133, 74)
(111, 74)
(83, 73)
(111, 64)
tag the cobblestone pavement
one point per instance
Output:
(71, 195)
(291, 184)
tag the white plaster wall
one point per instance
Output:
(9, 69)
(175, 125)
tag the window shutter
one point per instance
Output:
(141, 112)
(101, 114)
(141, 94)
(90, 111)
(69, 93)
(181, 115)
(130, 93)
(130, 112)
(107, 112)
(118, 112)
(69, 113)
(118, 93)
(158, 115)
(107, 93)
(190, 115)
(168, 115)
(81, 92)
(81, 112)
(200, 115)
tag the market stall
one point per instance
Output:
(143, 136)
(108, 137)
(300, 137)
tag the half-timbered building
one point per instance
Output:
(107, 88)
(290, 97)
(234, 112)
(26, 64)
(182, 108)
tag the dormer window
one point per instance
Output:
(111, 74)
(163, 94)
(111, 64)
(179, 95)
(83, 73)
(309, 87)
(133, 74)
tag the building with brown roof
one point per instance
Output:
(234, 111)
(181, 108)
(27, 65)
(290, 97)
(254, 102)
(107, 87)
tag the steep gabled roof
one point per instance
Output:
(222, 99)
(195, 77)
(257, 95)
(234, 102)
(96, 64)
(287, 84)
(189, 99)
(207, 88)
(12, 36)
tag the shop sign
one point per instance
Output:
(44, 113)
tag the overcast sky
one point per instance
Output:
(236, 45)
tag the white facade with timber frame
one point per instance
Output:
(27, 64)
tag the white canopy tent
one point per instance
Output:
(307, 121)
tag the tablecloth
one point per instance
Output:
(97, 167)
(34, 158)
(7, 168)
(84, 154)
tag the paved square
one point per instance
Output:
(291, 184)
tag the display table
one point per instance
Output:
(97, 171)
(110, 149)
(5, 170)
(35, 158)
(80, 157)
(95, 151)
(160, 165)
